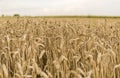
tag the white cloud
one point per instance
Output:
(60, 7)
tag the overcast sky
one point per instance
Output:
(60, 7)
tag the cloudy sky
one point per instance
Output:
(60, 7)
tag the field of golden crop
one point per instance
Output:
(59, 47)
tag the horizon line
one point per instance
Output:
(95, 16)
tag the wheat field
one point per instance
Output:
(36, 47)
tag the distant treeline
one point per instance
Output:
(79, 16)
(64, 16)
